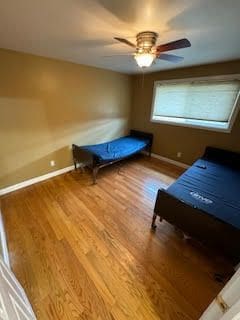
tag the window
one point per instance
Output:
(202, 103)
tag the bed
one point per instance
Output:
(204, 202)
(101, 155)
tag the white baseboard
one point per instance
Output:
(164, 159)
(34, 180)
(176, 163)
(70, 168)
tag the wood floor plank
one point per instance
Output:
(84, 251)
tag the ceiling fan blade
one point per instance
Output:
(170, 57)
(178, 44)
(125, 41)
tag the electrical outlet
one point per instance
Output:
(52, 163)
(179, 154)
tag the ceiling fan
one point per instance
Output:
(146, 50)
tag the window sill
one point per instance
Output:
(196, 124)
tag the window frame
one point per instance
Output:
(198, 124)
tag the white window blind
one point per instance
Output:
(200, 103)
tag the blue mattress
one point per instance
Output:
(117, 149)
(212, 186)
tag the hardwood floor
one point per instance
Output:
(84, 251)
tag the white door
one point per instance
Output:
(14, 304)
(226, 306)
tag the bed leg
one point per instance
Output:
(154, 226)
(95, 172)
(150, 152)
(75, 165)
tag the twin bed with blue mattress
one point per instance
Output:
(204, 202)
(101, 155)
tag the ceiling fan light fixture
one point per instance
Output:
(146, 50)
(144, 60)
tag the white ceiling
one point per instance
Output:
(82, 31)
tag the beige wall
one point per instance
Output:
(46, 105)
(168, 140)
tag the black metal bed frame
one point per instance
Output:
(198, 224)
(94, 163)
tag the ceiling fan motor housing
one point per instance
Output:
(146, 41)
